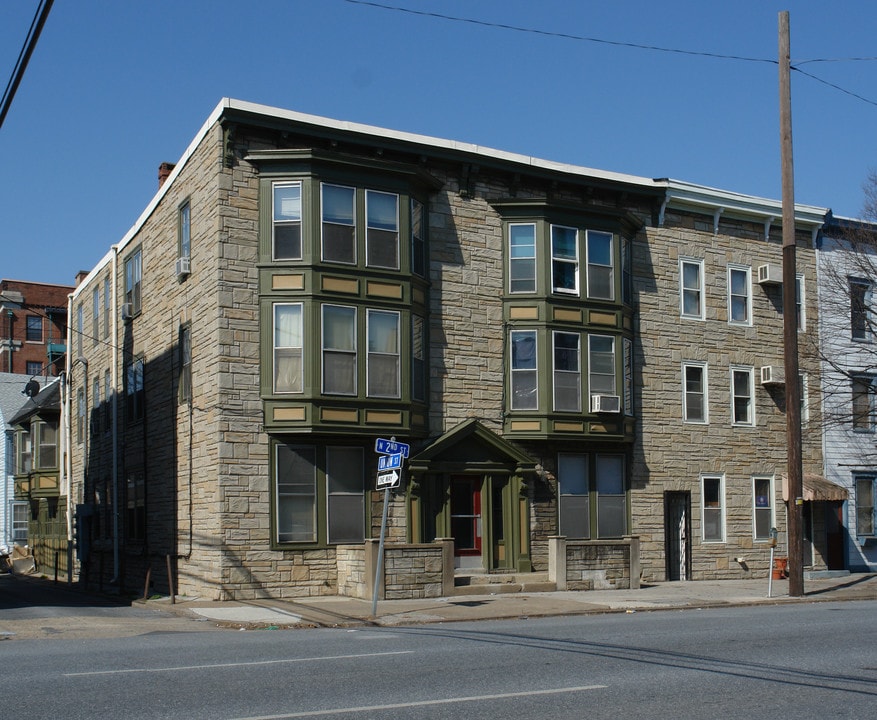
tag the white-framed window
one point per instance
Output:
(288, 348)
(601, 365)
(339, 350)
(574, 488)
(338, 223)
(601, 268)
(184, 230)
(24, 451)
(345, 495)
(866, 494)
(185, 344)
(80, 328)
(567, 371)
(383, 371)
(862, 403)
(712, 508)
(739, 295)
(133, 280)
(762, 507)
(95, 314)
(860, 303)
(286, 213)
(800, 305)
(382, 229)
(522, 258)
(742, 396)
(611, 497)
(524, 370)
(805, 398)
(691, 300)
(418, 238)
(564, 260)
(20, 512)
(107, 297)
(296, 483)
(695, 401)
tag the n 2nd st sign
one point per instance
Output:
(391, 447)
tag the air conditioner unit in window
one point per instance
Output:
(127, 311)
(770, 274)
(605, 403)
(772, 375)
(182, 267)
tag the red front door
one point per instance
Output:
(466, 515)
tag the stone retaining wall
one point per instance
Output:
(594, 564)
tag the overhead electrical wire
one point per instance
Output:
(33, 34)
(617, 43)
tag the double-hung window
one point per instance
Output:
(866, 494)
(694, 394)
(185, 384)
(383, 354)
(860, 299)
(564, 260)
(19, 522)
(863, 403)
(574, 489)
(742, 396)
(184, 230)
(134, 393)
(713, 508)
(133, 279)
(33, 328)
(382, 230)
(286, 238)
(739, 295)
(339, 350)
(522, 258)
(339, 223)
(95, 315)
(601, 269)
(691, 289)
(296, 505)
(418, 239)
(107, 297)
(762, 507)
(611, 498)
(345, 491)
(24, 451)
(524, 375)
(567, 372)
(601, 365)
(288, 345)
(418, 358)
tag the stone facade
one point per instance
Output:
(192, 478)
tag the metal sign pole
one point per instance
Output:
(380, 567)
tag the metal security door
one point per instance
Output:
(677, 531)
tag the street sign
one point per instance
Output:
(388, 480)
(391, 447)
(389, 462)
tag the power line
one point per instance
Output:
(617, 43)
(33, 34)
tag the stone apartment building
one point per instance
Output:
(300, 287)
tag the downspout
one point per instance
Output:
(114, 314)
(67, 464)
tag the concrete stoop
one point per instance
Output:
(497, 583)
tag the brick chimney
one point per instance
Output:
(164, 170)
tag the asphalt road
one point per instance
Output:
(793, 661)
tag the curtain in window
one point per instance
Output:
(288, 348)
(339, 350)
(383, 358)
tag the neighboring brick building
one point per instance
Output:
(33, 327)
(300, 287)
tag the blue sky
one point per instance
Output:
(115, 88)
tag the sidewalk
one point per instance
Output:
(336, 611)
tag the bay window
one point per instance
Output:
(339, 350)
(601, 365)
(567, 372)
(288, 345)
(339, 224)
(286, 228)
(524, 375)
(564, 260)
(383, 354)
(522, 258)
(601, 270)
(382, 230)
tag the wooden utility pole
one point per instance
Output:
(794, 470)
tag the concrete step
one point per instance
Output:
(500, 583)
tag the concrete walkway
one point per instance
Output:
(344, 612)
(32, 607)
